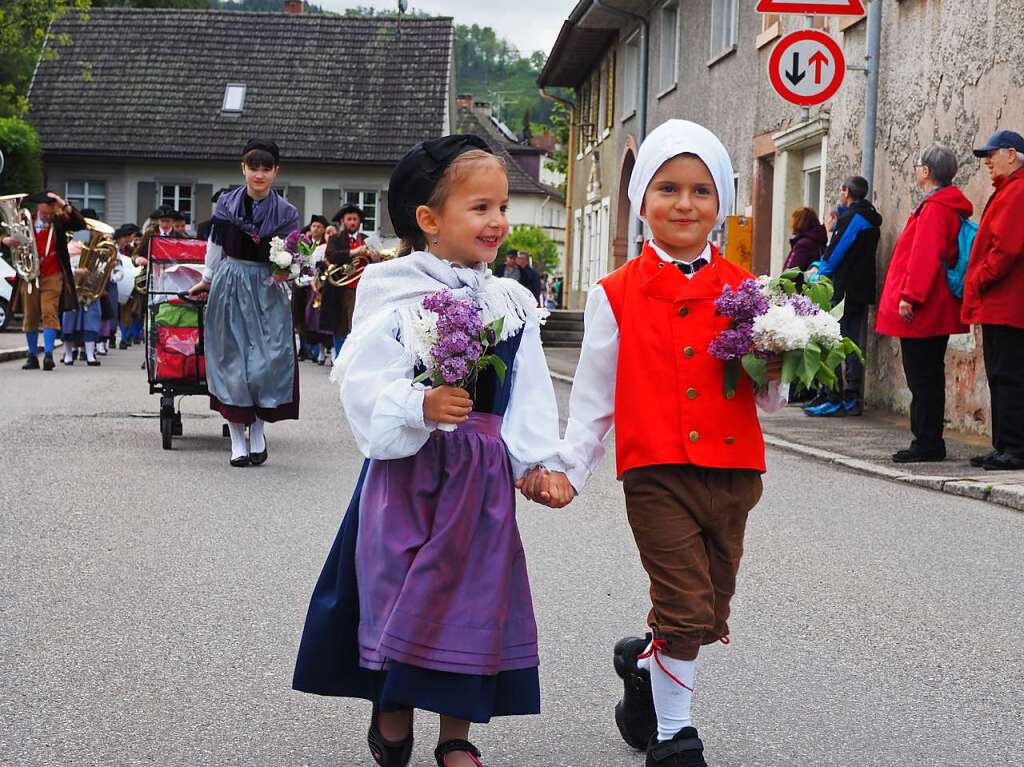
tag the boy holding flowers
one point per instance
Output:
(689, 448)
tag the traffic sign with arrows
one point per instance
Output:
(812, 7)
(807, 67)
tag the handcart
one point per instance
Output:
(175, 343)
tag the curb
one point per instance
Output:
(6, 355)
(1000, 495)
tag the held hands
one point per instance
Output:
(550, 488)
(447, 404)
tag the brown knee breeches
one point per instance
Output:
(689, 523)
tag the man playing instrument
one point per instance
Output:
(42, 305)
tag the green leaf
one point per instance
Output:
(496, 362)
(791, 363)
(820, 295)
(422, 377)
(791, 274)
(839, 309)
(496, 327)
(849, 347)
(756, 369)
(810, 362)
(733, 368)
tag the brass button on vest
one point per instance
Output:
(730, 394)
(694, 436)
(683, 311)
(730, 440)
(691, 393)
(688, 351)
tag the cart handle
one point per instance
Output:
(184, 296)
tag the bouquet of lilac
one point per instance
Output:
(771, 318)
(293, 257)
(453, 343)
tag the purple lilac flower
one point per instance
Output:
(744, 303)
(291, 243)
(802, 305)
(733, 343)
(475, 350)
(451, 345)
(454, 369)
(438, 302)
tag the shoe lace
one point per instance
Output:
(657, 647)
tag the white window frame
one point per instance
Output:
(669, 26)
(356, 196)
(815, 201)
(724, 28)
(89, 196)
(631, 76)
(234, 98)
(175, 199)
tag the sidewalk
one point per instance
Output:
(865, 445)
(10, 350)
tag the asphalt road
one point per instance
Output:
(151, 603)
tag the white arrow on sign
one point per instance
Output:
(812, 7)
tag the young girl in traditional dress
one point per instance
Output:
(424, 602)
(250, 353)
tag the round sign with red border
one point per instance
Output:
(807, 67)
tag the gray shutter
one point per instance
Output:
(297, 197)
(146, 202)
(204, 208)
(387, 229)
(331, 202)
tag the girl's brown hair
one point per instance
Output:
(455, 172)
(802, 220)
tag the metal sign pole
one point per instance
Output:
(871, 95)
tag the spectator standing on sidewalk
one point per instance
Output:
(917, 304)
(809, 239)
(850, 263)
(528, 276)
(994, 297)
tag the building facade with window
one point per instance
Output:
(949, 72)
(128, 127)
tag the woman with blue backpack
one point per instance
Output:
(921, 296)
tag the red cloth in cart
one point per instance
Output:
(181, 251)
(176, 358)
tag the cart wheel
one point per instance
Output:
(167, 428)
(176, 429)
(224, 431)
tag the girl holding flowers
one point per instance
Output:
(250, 356)
(424, 601)
(689, 447)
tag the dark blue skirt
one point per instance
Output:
(328, 659)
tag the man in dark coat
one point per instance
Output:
(993, 288)
(528, 276)
(44, 303)
(850, 263)
(337, 303)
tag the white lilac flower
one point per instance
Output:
(279, 256)
(774, 293)
(780, 330)
(425, 328)
(823, 328)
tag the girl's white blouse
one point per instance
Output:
(385, 408)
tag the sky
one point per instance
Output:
(531, 25)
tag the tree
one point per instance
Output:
(23, 28)
(559, 160)
(527, 238)
(23, 166)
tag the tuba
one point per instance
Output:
(19, 223)
(99, 257)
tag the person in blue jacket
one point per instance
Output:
(850, 263)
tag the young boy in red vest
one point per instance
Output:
(690, 454)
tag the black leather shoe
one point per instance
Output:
(634, 714)
(451, 746)
(123, 345)
(1003, 462)
(93, 363)
(916, 455)
(241, 462)
(258, 459)
(684, 750)
(388, 753)
(32, 363)
(979, 460)
(48, 362)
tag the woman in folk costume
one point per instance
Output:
(424, 601)
(690, 453)
(250, 352)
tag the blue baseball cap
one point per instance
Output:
(1001, 139)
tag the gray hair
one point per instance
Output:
(941, 163)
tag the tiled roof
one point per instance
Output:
(150, 83)
(519, 181)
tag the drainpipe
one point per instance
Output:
(871, 96)
(635, 232)
(571, 161)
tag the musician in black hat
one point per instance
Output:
(180, 224)
(305, 315)
(43, 304)
(337, 303)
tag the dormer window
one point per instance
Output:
(234, 97)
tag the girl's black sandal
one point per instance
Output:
(451, 746)
(388, 753)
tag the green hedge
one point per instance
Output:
(23, 164)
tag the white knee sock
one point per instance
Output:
(238, 446)
(90, 351)
(671, 699)
(257, 438)
(68, 351)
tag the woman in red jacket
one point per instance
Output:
(917, 305)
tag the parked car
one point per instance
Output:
(7, 275)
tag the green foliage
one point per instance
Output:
(23, 167)
(23, 27)
(533, 240)
(559, 160)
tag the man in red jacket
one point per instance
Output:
(993, 288)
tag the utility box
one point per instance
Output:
(739, 241)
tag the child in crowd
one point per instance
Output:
(424, 601)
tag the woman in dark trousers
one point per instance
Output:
(917, 304)
(809, 239)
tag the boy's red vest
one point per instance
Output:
(670, 404)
